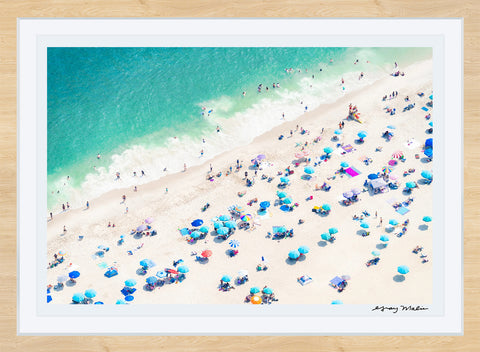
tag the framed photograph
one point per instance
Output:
(240, 177)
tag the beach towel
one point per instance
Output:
(425, 108)
(348, 148)
(403, 210)
(352, 172)
(411, 144)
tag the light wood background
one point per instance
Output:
(11, 9)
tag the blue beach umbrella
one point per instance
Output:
(264, 205)
(281, 229)
(254, 290)
(362, 134)
(49, 298)
(337, 131)
(304, 249)
(197, 222)
(294, 254)
(234, 243)
(267, 291)
(326, 236)
(403, 269)
(393, 222)
(391, 127)
(226, 278)
(281, 194)
(287, 200)
(224, 218)
(120, 301)
(217, 224)
(410, 184)
(364, 225)
(78, 297)
(151, 280)
(231, 224)
(427, 174)
(344, 164)
(129, 298)
(222, 230)
(327, 150)
(326, 207)
(309, 170)
(376, 253)
(130, 282)
(332, 230)
(98, 302)
(147, 263)
(428, 152)
(195, 234)
(284, 179)
(90, 293)
(203, 229)
(372, 176)
(74, 274)
(427, 218)
(183, 269)
(161, 274)
(430, 123)
(384, 238)
(337, 301)
(348, 194)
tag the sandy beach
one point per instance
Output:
(189, 191)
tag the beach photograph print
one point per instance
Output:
(240, 175)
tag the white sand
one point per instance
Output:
(189, 191)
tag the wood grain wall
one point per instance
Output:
(11, 9)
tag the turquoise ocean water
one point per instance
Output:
(128, 104)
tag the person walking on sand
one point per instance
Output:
(64, 230)
(88, 205)
(124, 198)
(185, 167)
(51, 216)
(381, 221)
(126, 210)
(166, 190)
(201, 152)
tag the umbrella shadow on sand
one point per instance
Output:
(70, 283)
(290, 261)
(423, 227)
(142, 272)
(381, 246)
(218, 240)
(399, 278)
(361, 233)
(322, 243)
(138, 235)
(425, 160)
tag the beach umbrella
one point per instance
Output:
(206, 253)
(356, 191)
(264, 205)
(392, 162)
(384, 238)
(171, 271)
(284, 179)
(303, 249)
(130, 282)
(260, 157)
(344, 164)
(326, 236)
(231, 224)
(428, 152)
(281, 229)
(151, 280)
(246, 217)
(62, 278)
(410, 184)
(195, 234)
(348, 194)
(254, 290)
(224, 218)
(217, 224)
(328, 150)
(256, 300)
(403, 269)
(372, 176)
(337, 301)
(287, 200)
(222, 230)
(149, 220)
(397, 155)
(74, 274)
(267, 291)
(309, 170)
(306, 153)
(161, 274)
(98, 302)
(346, 277)
(62, 253)
(198, 222)
(299, 155)
(49, 298)
(332, 230)
(90, 293)
(376, 253)
(239, 209)
(141, 228)
(234, 243)
(364, 225)
(427, 218)
(386, 169)
(226, 278)
(129, 298)
(337, 132)
(147, 263)
(326, 207)
(242, 273)
(391, 127)
(203, 229)
(120, 301)
(362, 134)
(294, 254)
(393, 222)
(427, 174)
(281, 194)
(430, 123)
(78, 297)
(393, 177)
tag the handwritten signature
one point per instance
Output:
(401, 308)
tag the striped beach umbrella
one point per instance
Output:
(246, 217)
(234, 243)
(397, 155)
(386, 169)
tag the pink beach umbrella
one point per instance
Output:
(149, 220)
(397, 155)
(393, 177)
(299, 155)
(306, 153)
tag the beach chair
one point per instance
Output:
(304, 280)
